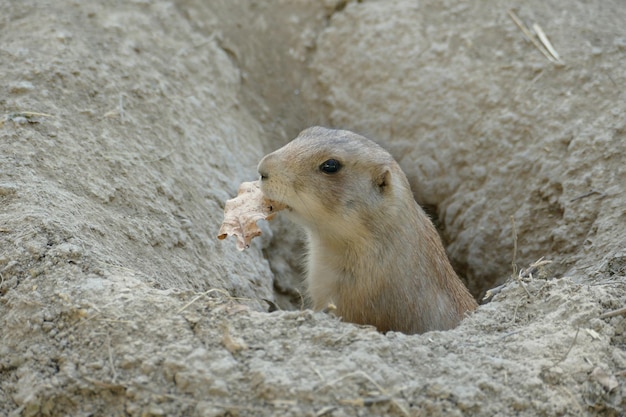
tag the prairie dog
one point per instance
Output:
(372, 251)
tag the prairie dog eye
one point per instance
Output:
(330, 166)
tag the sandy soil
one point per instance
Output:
(125, 126)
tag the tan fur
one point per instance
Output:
(372, 251)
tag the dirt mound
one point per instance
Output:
(126, 126)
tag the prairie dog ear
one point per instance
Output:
(382, 179)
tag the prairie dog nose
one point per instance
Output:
(264, 166)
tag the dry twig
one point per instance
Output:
(367, 401)
(534, 268)
(204, 294)
(513, 262)
(28, 115)
(570, 348)
(111, 361)
(543, 45)
(618, 312)
(546, 42)
(587, 194)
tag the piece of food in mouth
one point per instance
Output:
(242, 212)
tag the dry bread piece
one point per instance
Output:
(242, 212)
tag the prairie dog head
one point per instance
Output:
(335, 182)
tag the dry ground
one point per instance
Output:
(127, 124)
